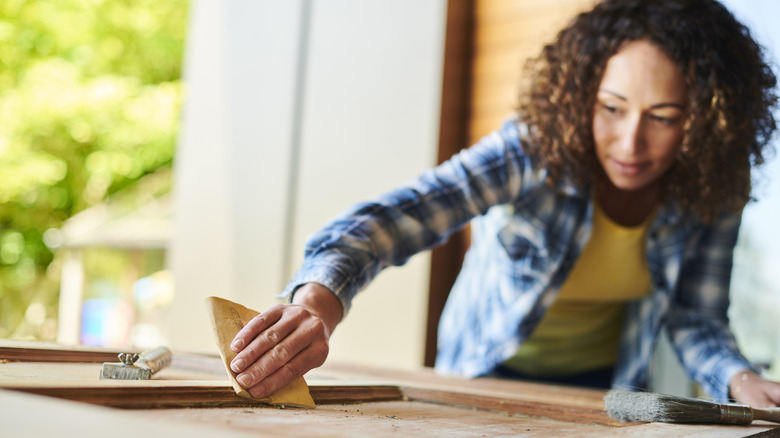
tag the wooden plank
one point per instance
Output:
(28, 415)
(553, 402)
(20, 351)
(42, 352)
(426, 378)
(575, 414)
(79, 382)
(170, 388)
(422, 419)
(198, 396)
(425, 403)
(22, 412)
(446, 259)
(387, 419)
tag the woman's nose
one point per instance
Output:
(632, 136)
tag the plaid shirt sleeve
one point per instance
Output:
(351, 250)
(698, 316)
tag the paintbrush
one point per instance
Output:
(646, 406)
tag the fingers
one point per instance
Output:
(270, 330)
(772, 390)
(255, 326)
(298, 366)
(279, 345)
(758, 392)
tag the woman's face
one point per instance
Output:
(639, 116)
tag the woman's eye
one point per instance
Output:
(663, 120)
(609, 108)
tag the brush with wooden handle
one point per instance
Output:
(645, 406)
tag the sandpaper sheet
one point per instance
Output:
(227, 318)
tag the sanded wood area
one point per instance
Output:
(420, 419)
(427, 379)
(28, 416)
(351, 400)
(176, 388)
(387, 419)
(197, 396)
(22, 412)
(574, 414)
(170, 388)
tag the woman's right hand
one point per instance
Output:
(751, 389)
(286, 341)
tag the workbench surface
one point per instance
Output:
(56, 391)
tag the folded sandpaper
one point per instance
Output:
(227, 318)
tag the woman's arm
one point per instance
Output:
(286, 341)
(350, 251)
(698, 319)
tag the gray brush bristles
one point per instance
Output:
(645, 406)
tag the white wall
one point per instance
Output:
(294, 111)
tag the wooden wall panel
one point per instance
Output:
(453, 136)
(506, 33)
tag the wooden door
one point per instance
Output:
(40, 383)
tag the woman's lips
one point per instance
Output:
(629, 168)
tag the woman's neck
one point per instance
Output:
(627, 208)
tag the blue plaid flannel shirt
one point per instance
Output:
(526, 236)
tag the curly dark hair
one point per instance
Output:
(731, 93)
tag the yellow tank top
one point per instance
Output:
(580, 330)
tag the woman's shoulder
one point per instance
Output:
(512, 140)
(672, 213)
(509, 139)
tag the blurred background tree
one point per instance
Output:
(90, 92)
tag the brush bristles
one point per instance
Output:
(644, 406)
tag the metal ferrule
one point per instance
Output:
(736, 414)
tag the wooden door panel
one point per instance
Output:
(352, 400)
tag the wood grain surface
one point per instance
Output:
(351, 400)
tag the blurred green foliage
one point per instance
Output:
(90, 93)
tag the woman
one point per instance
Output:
(605, 211)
